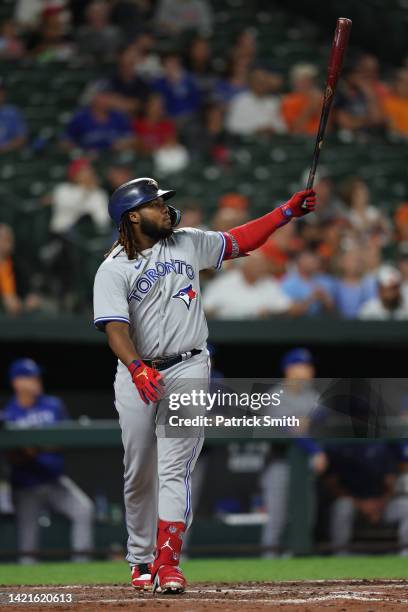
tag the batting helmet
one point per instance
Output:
(137, 192)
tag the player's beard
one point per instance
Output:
(153, 230)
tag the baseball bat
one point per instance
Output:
(338, 50)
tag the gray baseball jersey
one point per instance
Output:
(158, 293)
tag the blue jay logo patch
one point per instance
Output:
(187, 294)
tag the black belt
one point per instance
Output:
(162, 363)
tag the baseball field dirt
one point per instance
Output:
(338, 595)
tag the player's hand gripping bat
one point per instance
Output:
(338, 50)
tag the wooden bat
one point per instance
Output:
(338, 50)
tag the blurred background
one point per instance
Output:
(219, 100)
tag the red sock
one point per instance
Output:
(169, 544)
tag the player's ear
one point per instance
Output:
(134, 217)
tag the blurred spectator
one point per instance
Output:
(226, 218)
(403, 270)
(234, 82)
(281, 247)
(19, 277)
(178, 88)
(176, 16)
(192, 214)
(352, 289)
(234, 200)
(357, 108)
(75, 203)
(390, 303)
(37, 474)
(333, 235)
(153, 129)
(13, 130)
(361, 479)
(401, 223)
(98, 39)
(246, 292)
(372, 259)
(330, 207)
(300, 400)
(207, 137)
(198, 63)
(10, 301)
(28, 13)
(148, 65)
(117, 174)
(98, 127)
(132, 15)
(395, 104)
(301, 108)
(128, 90)
(11, 47)
(368, 67)
(363, 217)
(256, 111)
(78, 197)
(245, 48)
(171, 157)
(307, 287)
(51, 42)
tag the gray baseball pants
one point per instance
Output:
(157, 468)
(275, 486)
(62, 496)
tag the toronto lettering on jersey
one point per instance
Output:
(148, 279)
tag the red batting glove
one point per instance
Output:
(300, 204)
(147, 380)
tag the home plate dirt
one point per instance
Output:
(342, 595)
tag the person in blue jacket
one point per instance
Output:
(37, 474)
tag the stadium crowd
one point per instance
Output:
(177, 103)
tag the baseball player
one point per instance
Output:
(147, 300)
(37, 474)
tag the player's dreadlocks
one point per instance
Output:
(126, 239)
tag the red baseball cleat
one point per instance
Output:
(141, 578)
(169, 579)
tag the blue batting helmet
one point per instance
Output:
(137, 192)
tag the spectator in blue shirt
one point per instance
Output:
(307, 287)
(178, 88)
(129, 91)
(352, 289)
(98, 127)
(362, 480)
(13, 130)
(37, 474)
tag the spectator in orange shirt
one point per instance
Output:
(11, 302)
(153, 130)
(280, 248)
(401, 223)
(301, 108)
(396, 104)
